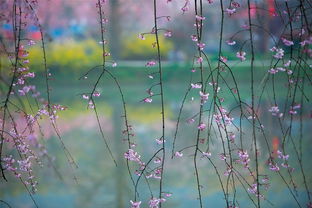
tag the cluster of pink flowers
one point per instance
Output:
(243, 158)
(273, 166)
(223, 119)
(23, 167)
(154, 202)
(203, 97)
(133, 156)
(279, 52)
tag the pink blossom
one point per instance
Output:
(241, 55)
(243, 158)
(29, 75)
(168, 34)
(178, 154)
(141, 36)
(281, 156)
(279, 52)
(186, 7)
(201, 126)
(168, 194)
(132, 156)
(191, 120)
(201, 46)
(147, 100)
(231, 42)
(135, 204)
(274, 167)
(273, 71)
(203, 97)
(96, 94)
(281, 69)
(287, 63)
(235, 4)
(223, 59)
(206, 154)
(196, 86)
(245, 26)
(114, 64)
(230, 11)
(150, 63)
(227, 171)
(160, 141)
(253, 189)
(157, 160)
(287, 42)
(194, 38)
(274, 110)
(232, 137)
(31, 42)
(222, 156)
(86, 97)
(306, 42)
(154, 202)
(199, 60)
(199, 18)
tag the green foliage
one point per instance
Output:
(135, 48)
(69, 56)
